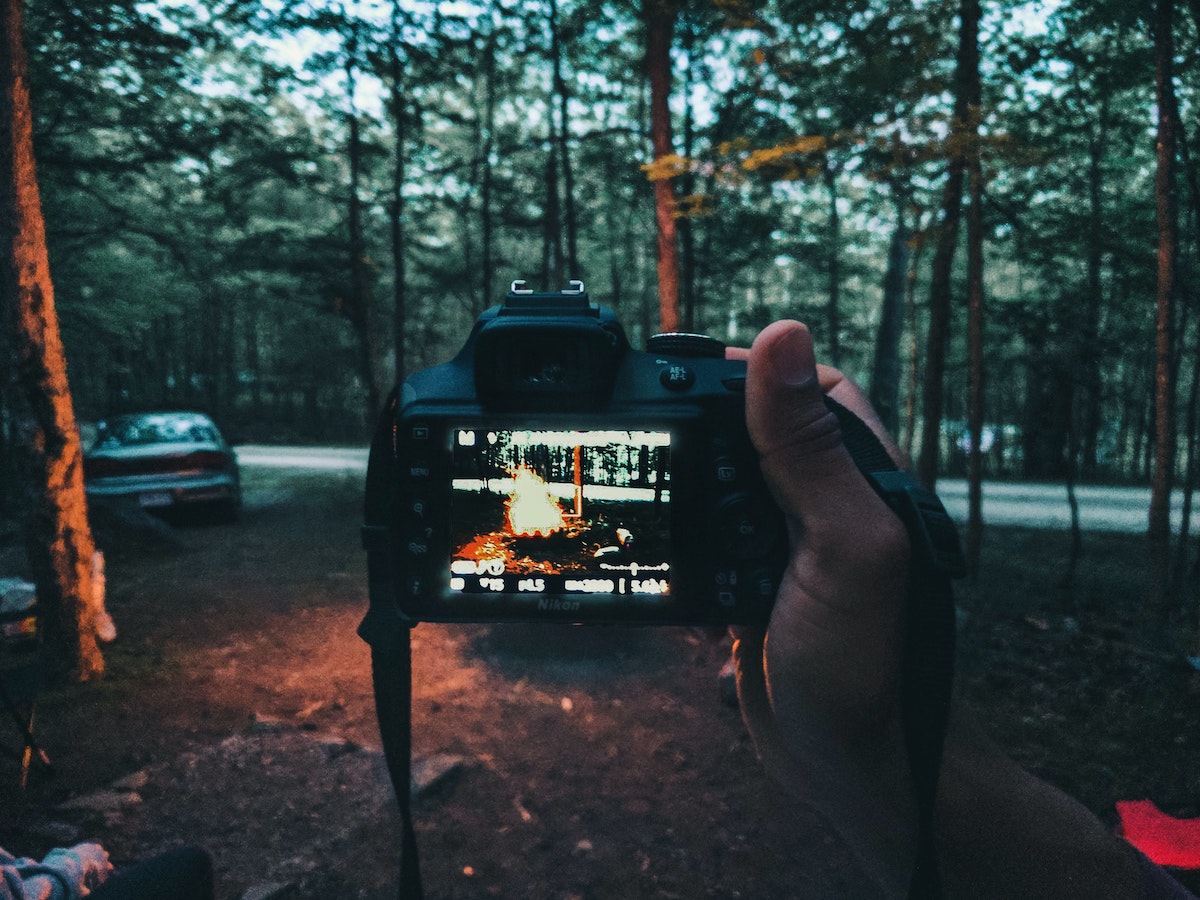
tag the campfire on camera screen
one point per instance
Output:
(561, 512)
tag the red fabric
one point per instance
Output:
(1166, 840)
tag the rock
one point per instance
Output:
(132, 782)
(105, 801)
(264, 724)
(271, 890)
(433, 771)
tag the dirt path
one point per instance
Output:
(237, 713)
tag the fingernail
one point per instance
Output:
(793, 359)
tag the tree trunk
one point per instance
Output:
(660, 25)
(1182, 542)
(400, 275)
(486, 229)
(687, 229)
(552, 254)
(358, 305)
(1159, 527)
(885, 373)
(59, 535)
(975, 301)
(833, 250)
(570, 217)
(910, 302)
(1093, 302)
(943, 259)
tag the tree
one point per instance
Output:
(975, 302)
(1159, 529)
(358, 303)
(885, 370)
(659, 16)
(59, 535)
(947, 241)
(399, 111)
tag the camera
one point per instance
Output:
(550, 472)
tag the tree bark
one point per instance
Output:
(552, 251)
(943, 259)
(913, 362)
(486, 225)
(59, 535)
(975, 303)
(833, 250)
(358, 306)
(399, 270)
(660, 25)
(686, 224)
(1159, 527)
(885, 372)
(570, 216)
(1090, 336)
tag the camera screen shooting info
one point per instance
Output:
(560, 512)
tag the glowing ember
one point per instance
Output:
(531, 508)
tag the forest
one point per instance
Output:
(986, 211)
(265, 209)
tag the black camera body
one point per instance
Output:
(549, 472)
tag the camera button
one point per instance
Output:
(748, 535)
(763, 584)
(677, 378)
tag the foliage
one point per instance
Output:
(195, 172)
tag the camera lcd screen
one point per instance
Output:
(566, 513)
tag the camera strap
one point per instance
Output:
(927, 668)
(391, 676)
(389, 635)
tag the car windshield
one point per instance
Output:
(144, 430)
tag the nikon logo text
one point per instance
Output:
(548, 604)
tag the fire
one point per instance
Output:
(531, 508)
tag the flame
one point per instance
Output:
(531, 508)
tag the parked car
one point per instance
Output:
(164, 460)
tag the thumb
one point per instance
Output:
(805, 463)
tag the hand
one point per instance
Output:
(819, 689)
(94, 863)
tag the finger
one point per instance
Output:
(804, 461)
(750, 668)
(851, 396)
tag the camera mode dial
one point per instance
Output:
(697, 346)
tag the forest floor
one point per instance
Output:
(237, 713)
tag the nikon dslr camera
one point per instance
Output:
(549, 472)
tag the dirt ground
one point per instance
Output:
(237, 713)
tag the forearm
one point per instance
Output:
(1004, 833)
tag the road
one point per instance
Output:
(1101, 508)
(341, 459)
